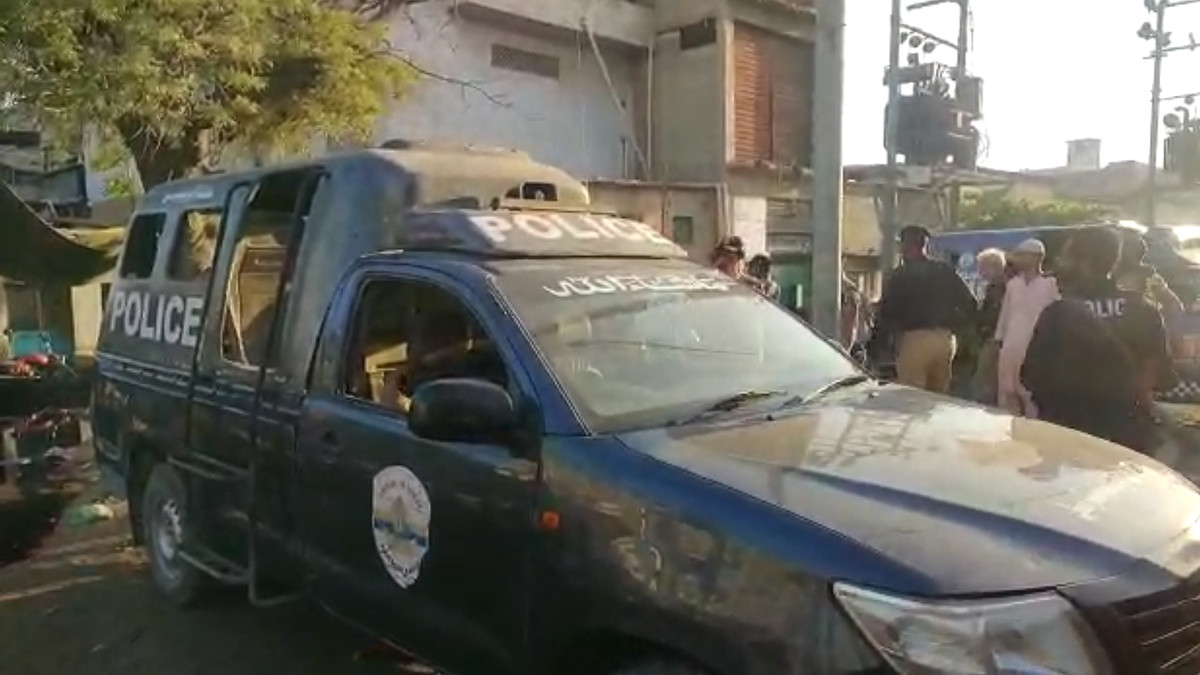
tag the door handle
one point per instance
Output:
(327, 447)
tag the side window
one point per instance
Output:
(257, 267)
(407, 333)
(141, 245)
(195, 245)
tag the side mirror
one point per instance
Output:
(460, 410)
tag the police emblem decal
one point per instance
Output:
(400, 523)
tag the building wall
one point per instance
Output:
(571, 120)
(618, 21)
(689, 214)
(688, 94)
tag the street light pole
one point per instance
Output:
(827, 182)
(889, 225)
(1155, 93)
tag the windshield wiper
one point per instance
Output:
(844, 382)
(728, 404)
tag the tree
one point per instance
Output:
(177, 83)
(994, 211)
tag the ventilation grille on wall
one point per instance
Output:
(521, 61)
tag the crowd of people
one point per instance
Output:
(1083, 346)
(729, 257)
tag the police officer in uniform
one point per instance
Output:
(1088, 349)
(924, 304)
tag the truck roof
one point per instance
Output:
(461, 175)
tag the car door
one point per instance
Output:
(228, 418)
(424, 542)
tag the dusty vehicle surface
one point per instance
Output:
(434, 392)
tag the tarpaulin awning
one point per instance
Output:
(34, 251)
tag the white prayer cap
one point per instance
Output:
(1031, 247)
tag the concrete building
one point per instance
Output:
(712, 96)
(1119, 186)
(1083, 154)
(693, 115)
(560, 79)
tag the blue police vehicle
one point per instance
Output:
(433, 391)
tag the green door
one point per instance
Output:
(794, 277)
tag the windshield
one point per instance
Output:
(637, 344)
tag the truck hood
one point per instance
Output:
(974, 500)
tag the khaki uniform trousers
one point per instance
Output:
(925, 358)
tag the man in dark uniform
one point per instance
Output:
(1083, 363)
(923, 305)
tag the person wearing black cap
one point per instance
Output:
(1084, 365)
(923, 304)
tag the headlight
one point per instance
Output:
(1031, 635)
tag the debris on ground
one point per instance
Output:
(86, 514)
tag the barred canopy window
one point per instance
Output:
(772, 97)
(195, 246)
(522, 61)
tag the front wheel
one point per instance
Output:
(164, 529)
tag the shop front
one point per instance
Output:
(791, 263)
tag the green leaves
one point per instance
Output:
(177, 82)
(993, 211)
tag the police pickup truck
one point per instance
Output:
(429, 390)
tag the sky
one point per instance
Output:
(1053, 70)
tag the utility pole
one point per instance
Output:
(1160, 20)
(960, 73)
(827, 166)
(1162, 41)
(890, 228)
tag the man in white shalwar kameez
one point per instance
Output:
(1025, 296)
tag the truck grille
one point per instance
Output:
(1157, 634)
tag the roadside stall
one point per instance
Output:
(40, 385)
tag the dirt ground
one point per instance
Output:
(76, 600)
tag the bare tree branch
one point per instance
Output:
(447, 79)
(376, 9)
(379, 9)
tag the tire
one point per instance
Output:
(658, 668)
(164, 528)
